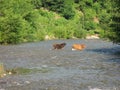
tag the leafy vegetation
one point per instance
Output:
(114, 33)
(2, 71)
(21, 70)
(33, 20)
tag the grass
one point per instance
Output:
(2, 70)
(23, 71)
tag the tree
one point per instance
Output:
(63, 7)
(13, 27)
(115, 25)
(37, 3)
(19, 7)
(13, 30)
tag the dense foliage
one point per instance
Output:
(35, 20)
(115, 24)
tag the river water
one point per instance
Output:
(97, 67)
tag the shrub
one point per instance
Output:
(2, 70)
(90, 25)
(37, 3)
(59, 32)
(68, 13)
(13, 30)
(80, 33)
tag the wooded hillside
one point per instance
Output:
(35, 20)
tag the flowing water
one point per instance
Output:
(97, 67)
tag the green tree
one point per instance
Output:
(20, 7)
(68, 9)
(63, 7)
(115, 25)
(54, 5)
(13, 27)
(13, 30)
(37, 3)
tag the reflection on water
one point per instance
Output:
(95, 68)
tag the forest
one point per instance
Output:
(34, 20)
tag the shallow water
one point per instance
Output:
(95, 68)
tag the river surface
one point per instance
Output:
(97, 67)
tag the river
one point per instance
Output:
(97, 67)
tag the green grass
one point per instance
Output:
(23, 71)
(2, 70)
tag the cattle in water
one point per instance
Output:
(78, 46)
(59, 46)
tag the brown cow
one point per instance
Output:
(78, 46)
(59, 46)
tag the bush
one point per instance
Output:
(90, 25)
(16, 7)
(59, 32)
(37, 3)
(39, 35)
(32, 19)
(2, 70)
(80, 33)
(13, 30)
(63, 7)
(9, 30)
(68, 12)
